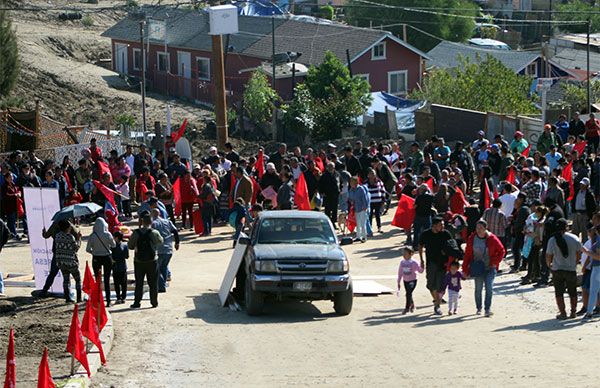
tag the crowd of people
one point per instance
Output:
(474, 203)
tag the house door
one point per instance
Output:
(121, 58)
(184, 70)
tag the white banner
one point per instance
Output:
(40, 206)
(157, 30)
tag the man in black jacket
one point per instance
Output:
(329, 187)
(519, 216)
(352, 164)
(550, 229)
(576, 126)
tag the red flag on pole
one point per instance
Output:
(179, 134)
(458, 202)
(177, 196)
(44, 375)
(580, 147)
(231, 190)
(495, 192)
(88, 280)
(405, 212)
(75, 343)
(429, 183)
(510, 177)
(567, 174)
(67, 181)
(108, 193)
(319, 164)
(98, 302)
(89, 328)
(104, 169)
(351, 220)
(260, 164)
(255, 190)
(487, 197)
(301, 196)
(10, 379)
(525, 152)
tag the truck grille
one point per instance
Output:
(300, 266)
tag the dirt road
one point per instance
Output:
(191, 341)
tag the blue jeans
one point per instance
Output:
(11, 222)
(163, 270)
(594, 289)
(419, 225)
(1, 284)
(486, 279)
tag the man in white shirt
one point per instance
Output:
(508, 198)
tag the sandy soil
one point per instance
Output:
(190, 341)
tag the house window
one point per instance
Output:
(203, 68)
(378, 51)
(397, 82)
(363, 76)
(163, 62)
(532, 69)
(137, 59)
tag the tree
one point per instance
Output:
(9, 56)
(578, 11)
(456, 29)
(259, 98)
(576, 95)
(299, 116)
(337, 98)
(484, 85)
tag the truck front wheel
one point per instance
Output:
(342, 301)
(255, 300)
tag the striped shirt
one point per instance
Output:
(376, 191)
(496, 221)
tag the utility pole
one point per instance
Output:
(143, 81)
(220, 98)
(273, 49)
(589, 90)
(349, 63)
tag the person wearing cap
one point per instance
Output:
(519, 144)
(331, 148)
(270, 178)
(584, 207)
(213, 157)
(477, 142)
(145, 241)
(414, 157)
(546, 140)
(576, 126)
(592, 132)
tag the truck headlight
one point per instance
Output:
(265, 265)
(337, 266)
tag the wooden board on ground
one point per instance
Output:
(369, 287)
(234, 265)
(19, 280)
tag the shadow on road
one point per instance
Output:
(418, 320)
(208, 308)
(547, 325)
(380, 253)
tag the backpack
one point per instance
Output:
(145, 246)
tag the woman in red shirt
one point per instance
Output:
(10, 197)
(189, 196)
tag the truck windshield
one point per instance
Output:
(295, 231)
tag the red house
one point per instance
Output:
(181, 66)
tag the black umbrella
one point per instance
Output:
(77, 210)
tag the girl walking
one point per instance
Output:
(407, 273)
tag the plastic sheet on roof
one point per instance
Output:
(257, 8)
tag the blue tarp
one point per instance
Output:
(405, 110)
(257, 8)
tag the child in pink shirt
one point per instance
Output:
(407, 272)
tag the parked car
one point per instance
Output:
(295, 254)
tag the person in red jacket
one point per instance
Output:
(483, 255)
(189, 196)
(10, 197)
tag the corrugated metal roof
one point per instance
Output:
(446, 55)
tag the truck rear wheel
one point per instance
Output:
(342, 301)
(255, 300)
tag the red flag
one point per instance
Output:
(301, 196)
(108, 193)
(197, 221)
(319, 164)
(89, 328)
(429, 183)
(580, 147)
(88, 280)
(510, 177)
(458, 202)
(10, 379)
(495, 192)
(177, 197)
(260, 164)
(67, 181)
(255, 190)
(75, 343)
(525, 152)
(98, 302)
(231, 189)
(351, 220)
(179, 134)
(405, 212)
(487, 197)
(567, 174)
(44, 375)
(104, 169)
